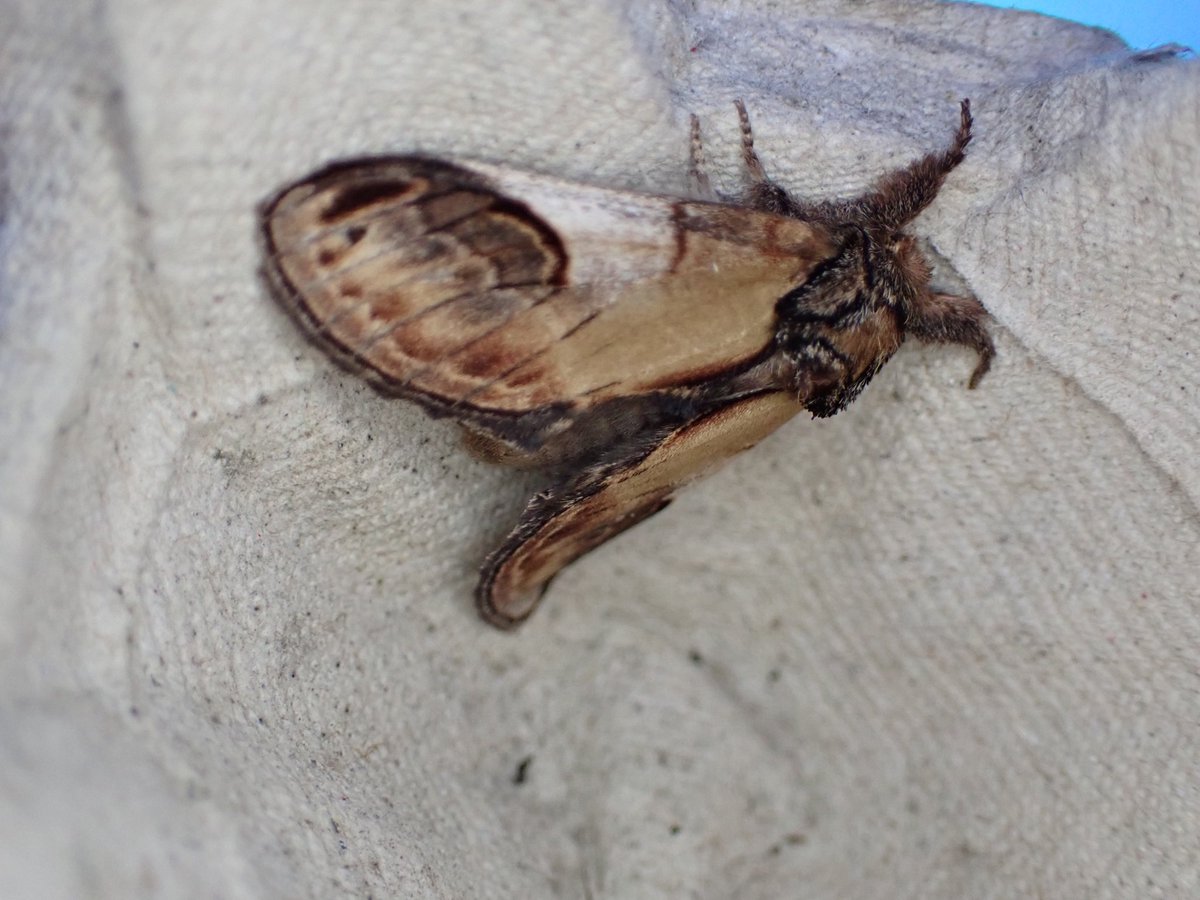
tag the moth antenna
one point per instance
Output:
(900, 196)
(698, 165)
(754, 165)
(762, 193)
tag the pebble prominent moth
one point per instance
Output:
(624, 343)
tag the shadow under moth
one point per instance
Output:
(624, 343)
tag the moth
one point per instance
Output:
(624, 343)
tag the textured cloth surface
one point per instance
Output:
(943, 645)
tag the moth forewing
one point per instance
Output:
(436, 282)
(625, 342)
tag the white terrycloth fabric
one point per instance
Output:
(944, 645)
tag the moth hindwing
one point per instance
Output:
(624, 343)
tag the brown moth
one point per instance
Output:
(625, 343)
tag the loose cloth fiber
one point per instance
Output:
(943, 645)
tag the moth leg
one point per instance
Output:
(951, 319)
(901, 195)
(754, 166)
(698, 178)
(762, 193)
